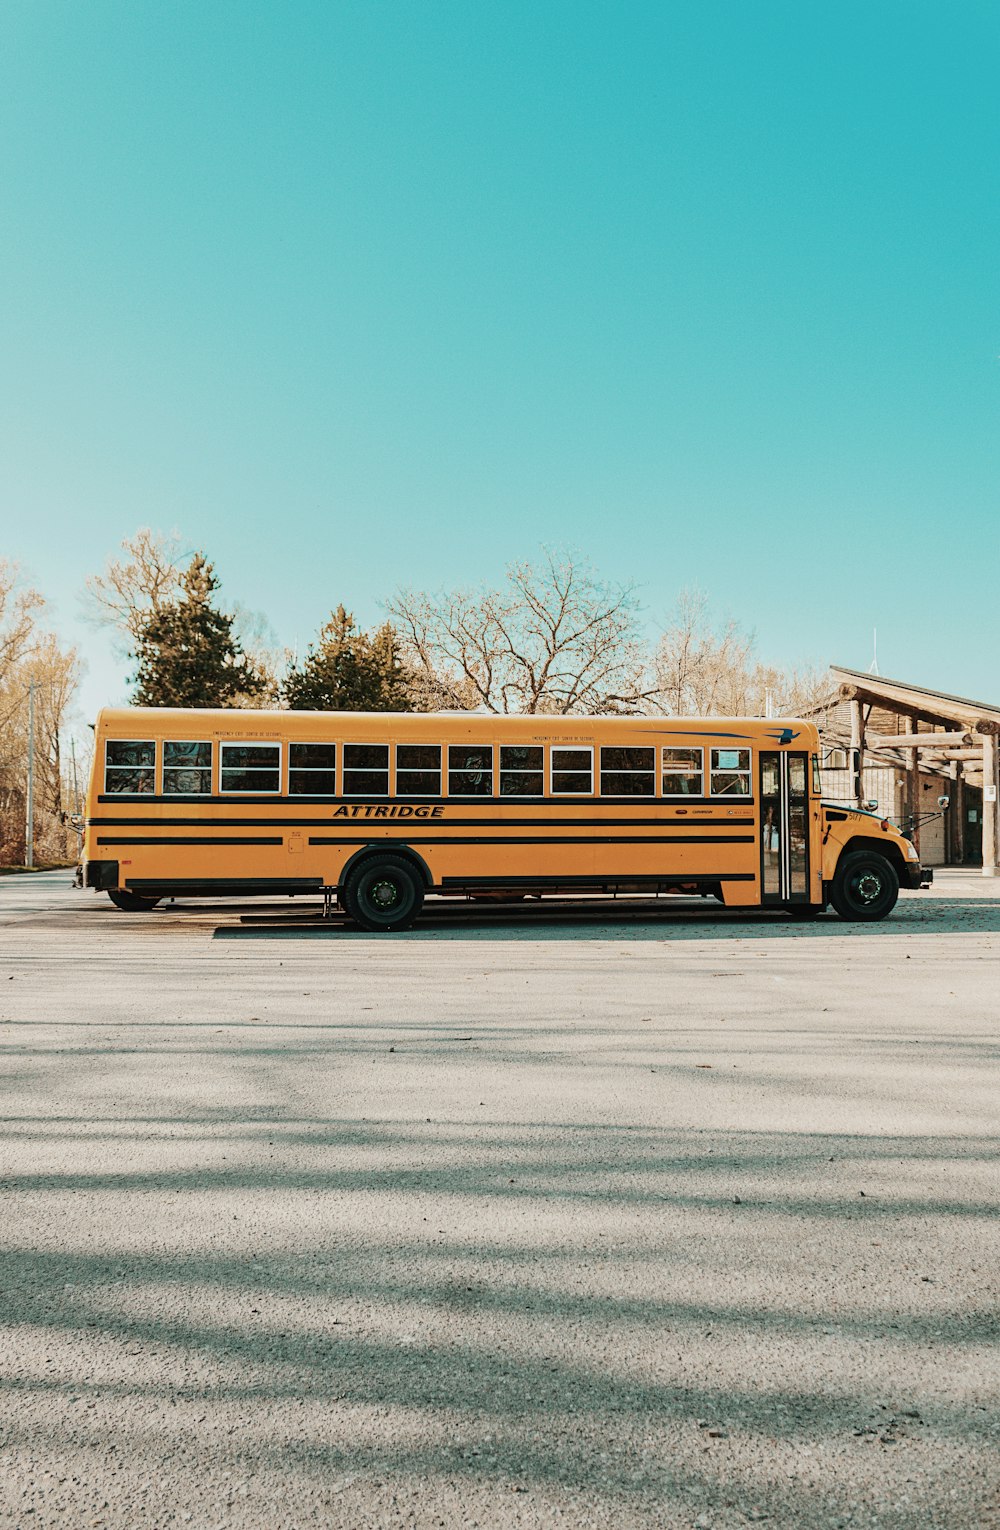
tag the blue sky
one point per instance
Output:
(356, 295)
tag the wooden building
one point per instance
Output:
(904, 747)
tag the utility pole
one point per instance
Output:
(76, 789)
(29, 811)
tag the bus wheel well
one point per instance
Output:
(383, 847)
(871, 846)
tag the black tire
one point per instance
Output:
(383, 894)
(865, 886)
(132, 903)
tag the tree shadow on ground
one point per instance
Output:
(810, 1176)
(559, 1365)
(513, 1412)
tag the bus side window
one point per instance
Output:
(730, 772)
(418, 770)
(129, 766)
(521, 773)
(366, 770)
(250, 768)
(187, 769)
(470, 770)
(312, 770)
(628, 772)
(683, 772)
(572, 772)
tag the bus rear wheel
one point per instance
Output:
(132, 903)
(383, 894)
(865, 886)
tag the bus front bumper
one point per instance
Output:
(917, 876)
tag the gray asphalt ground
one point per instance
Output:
(539, 1219)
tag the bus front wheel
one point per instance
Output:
(865, 886)
(132, 903)
(383, 894)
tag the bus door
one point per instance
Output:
(784, 826)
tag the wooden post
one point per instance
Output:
(857, 752)
(989, 805)
(957, 814)
(913, 787)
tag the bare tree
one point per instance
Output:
(19, 606)
(772, 692)
(56, 673)
(705, 669)
(697, 663)
(29, 654)
(554, 638)
(267, 658)
(132, 588)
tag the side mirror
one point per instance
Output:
(944, 802)
(872, 805)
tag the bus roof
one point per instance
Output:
(191, 723)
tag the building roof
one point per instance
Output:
(899, 695)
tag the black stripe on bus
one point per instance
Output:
(260, 886)
(194, 839)
(536, 839)
(269, 799)
(661, 822)
(237, 886)
(598, 883)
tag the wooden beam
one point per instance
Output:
(917, 740)
(935, 761)
(914, 701)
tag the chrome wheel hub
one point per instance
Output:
(384, 894)
(868, 887)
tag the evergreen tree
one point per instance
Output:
(345, 670)
(187, 654)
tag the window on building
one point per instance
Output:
(522, 770)
(312, 770)
(628, 772)
(366, 770)
(683, 772)
(187, 769)
(572, 772)
(250, 768)
(730, 771)
(470, 770)
(418, 770)
(129, 765)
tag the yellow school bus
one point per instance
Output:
(381, 810)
